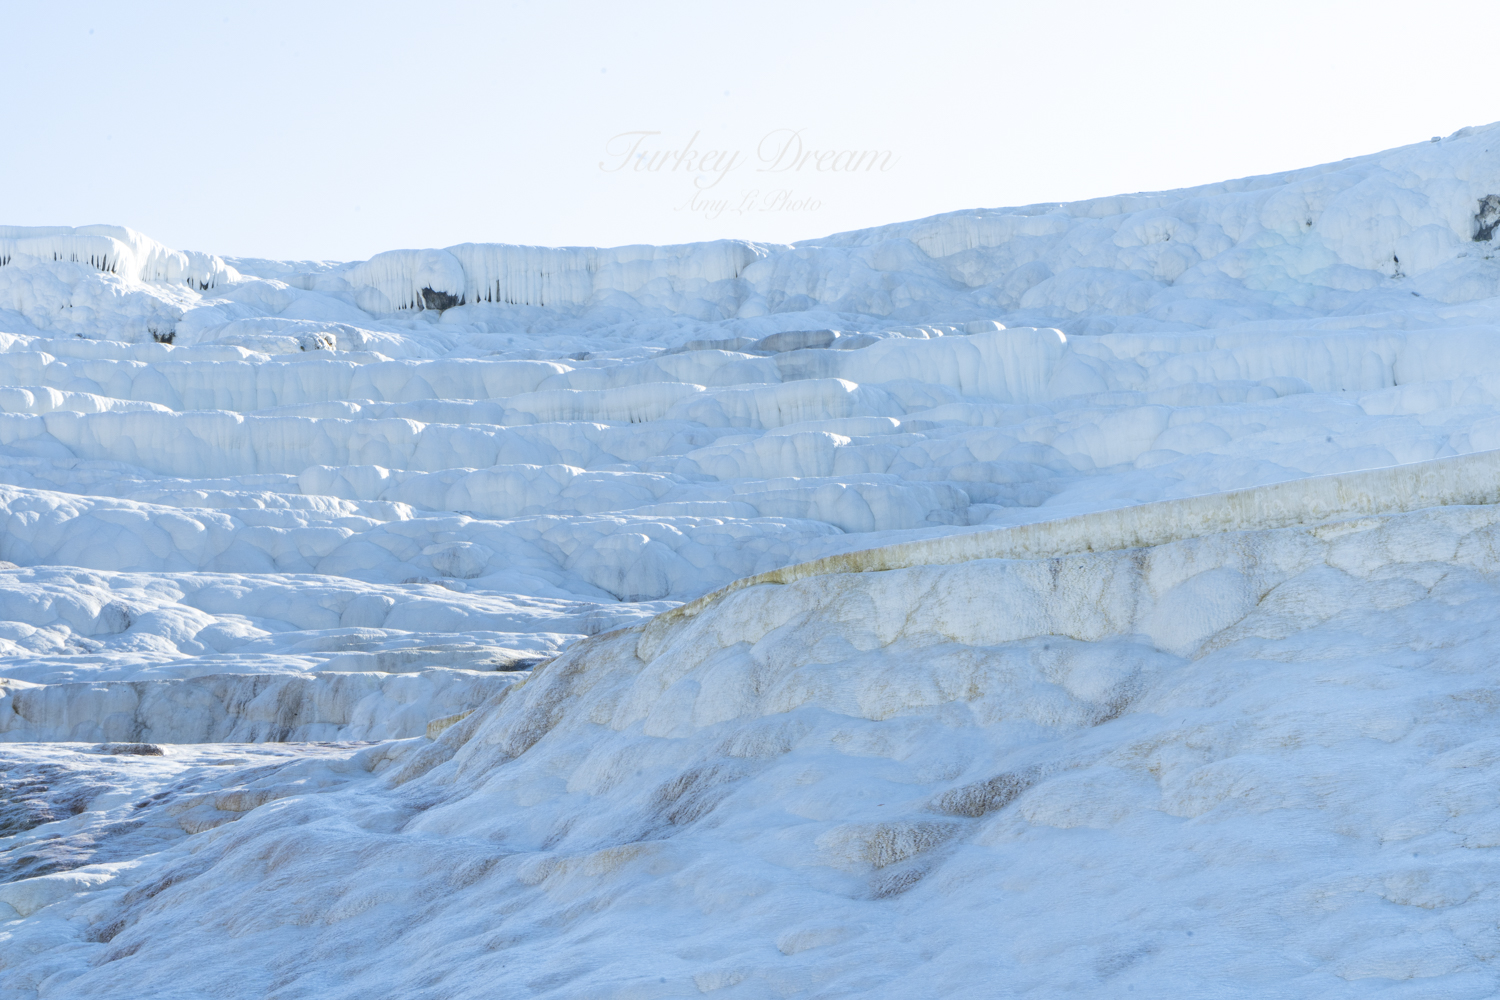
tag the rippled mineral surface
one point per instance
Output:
(1116, 607)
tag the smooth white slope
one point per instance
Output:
(1249, 764)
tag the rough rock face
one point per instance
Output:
(1071, 600)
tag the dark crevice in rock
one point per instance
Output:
(1487, 218)
(433, 299)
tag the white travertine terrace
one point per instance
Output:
(1079, 600)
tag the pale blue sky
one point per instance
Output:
(337, 130)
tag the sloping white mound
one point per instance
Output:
(1248, 763)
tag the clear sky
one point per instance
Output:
(335, 130)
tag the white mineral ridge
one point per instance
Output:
(1076, 600)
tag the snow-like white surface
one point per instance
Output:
(1234, 745)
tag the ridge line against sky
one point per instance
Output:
(228, 129)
